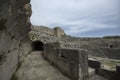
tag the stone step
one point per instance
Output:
(91, 72)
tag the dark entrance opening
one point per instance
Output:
(37, 46)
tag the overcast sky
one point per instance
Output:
(88, 18)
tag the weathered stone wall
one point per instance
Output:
(43, 29)
(71, 62)
(57, 31)
(14, 28)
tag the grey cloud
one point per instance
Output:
(78, 16)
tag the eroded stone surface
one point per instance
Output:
(14, 41)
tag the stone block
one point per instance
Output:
(94, 64)
(118, 68)
(72, 62)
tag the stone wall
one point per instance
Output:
(57, 31)
(14, 41)
(43, 29)
(72, 62)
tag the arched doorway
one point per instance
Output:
(37, 46)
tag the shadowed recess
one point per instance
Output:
(37, 46)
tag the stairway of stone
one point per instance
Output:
(35, 67)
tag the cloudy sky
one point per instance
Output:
(88, 18)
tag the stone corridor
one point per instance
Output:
(35, 67)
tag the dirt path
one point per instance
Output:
(36, 68)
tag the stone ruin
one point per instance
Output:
(100, 56)
(77, 58)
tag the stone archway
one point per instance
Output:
(37, 46)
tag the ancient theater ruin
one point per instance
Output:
(31, 52)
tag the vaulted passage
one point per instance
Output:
(37, 46)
